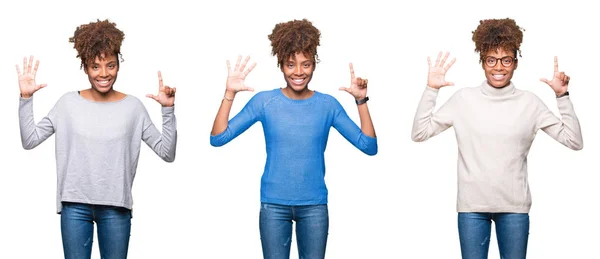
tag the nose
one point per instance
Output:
(498, 65)
(298, 70)
(103, 72)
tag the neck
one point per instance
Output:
(93, 95)
(295, 95)
(489, 90)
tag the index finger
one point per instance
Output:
(555, 64)
(160, 80)
(351, 71)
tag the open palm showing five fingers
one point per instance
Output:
(235, 78)
(27, 83)
(437, 73)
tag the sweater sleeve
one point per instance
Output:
(565, 130)
(250, 114)
(163, 144)
(426, 123)
(351, 132)
(34, 134)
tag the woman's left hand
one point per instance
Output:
(559, 82)
(166, 94)
(358, 86)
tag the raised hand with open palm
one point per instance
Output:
(437, 73)
(27, 83)
(235, 78)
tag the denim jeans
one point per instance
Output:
(512, 233)
(312, 226)
(77, 227)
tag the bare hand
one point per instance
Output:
(166, 94)
(437, 73)
(559, 82)
(358, 86)
(27, 83)
(236, 77)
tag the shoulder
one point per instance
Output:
(326, 99)
(68, 98)
(528, 95)
(265, 97)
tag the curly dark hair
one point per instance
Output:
(296, 36)
(96, 39)
(492, 34)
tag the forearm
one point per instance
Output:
(366, 124)
(169, 134)
(31, 134)
(568, 130)
(222, 119)
(426, 124)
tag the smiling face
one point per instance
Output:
(298, 71)
(500, 74)
(102, 73)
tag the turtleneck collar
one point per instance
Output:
(489, 90)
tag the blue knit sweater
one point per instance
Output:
(296, 133)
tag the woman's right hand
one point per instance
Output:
(437, 73)
(236, 77)
(27, 83)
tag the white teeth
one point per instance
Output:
(103, 82)
(498, 77)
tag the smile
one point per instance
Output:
(103, 83)
(298, 81)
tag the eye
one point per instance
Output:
(490, 61)
(290, 65)
(306, 65)
(507, 61)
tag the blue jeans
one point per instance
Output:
(77, 227)
(312, 226)
(512, 233)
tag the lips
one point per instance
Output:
(498, 76)
(298, 81)
(103, 82)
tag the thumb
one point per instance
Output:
(345, 89)
(545, 80)
(152, 96)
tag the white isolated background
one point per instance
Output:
(397, 204)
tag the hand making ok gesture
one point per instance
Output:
(166, 94)
(27, 83)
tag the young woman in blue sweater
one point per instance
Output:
(296, 123)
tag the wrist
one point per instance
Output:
(26, 96)
(362, 100)
(559, 95)
(229, 95)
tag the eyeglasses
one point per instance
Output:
(506, 61)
